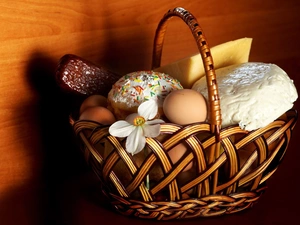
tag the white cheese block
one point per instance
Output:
(252, 94)
(190, 69)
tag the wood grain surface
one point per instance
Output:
(43, 178)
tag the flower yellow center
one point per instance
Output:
(139, 121)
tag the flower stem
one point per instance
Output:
(147, 177)
(147, 182)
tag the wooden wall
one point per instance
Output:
(38, 162)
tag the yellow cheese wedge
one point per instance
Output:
(191, 69)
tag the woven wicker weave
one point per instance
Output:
(230, 165)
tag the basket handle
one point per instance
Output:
(207, 60)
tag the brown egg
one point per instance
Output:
(99, 114)
(93, 100)
(177, 152)
(185, 106)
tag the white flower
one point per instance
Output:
(137, 126)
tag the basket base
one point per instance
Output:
(208, 206)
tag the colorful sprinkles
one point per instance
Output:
(137, 87)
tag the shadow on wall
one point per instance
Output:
(62, 159)
(45, 198)
(39, 200)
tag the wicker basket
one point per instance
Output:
(230, 165)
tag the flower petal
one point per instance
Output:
(130, 118)
(151, 130)
(135, 141)
(121, 128)
(148, 109)
(156, 121)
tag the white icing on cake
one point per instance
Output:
(137, 87)
(252, 94)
